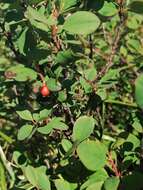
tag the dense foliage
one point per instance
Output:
(71, 94)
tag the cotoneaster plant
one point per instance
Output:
(71, 85)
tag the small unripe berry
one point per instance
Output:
(44, 90)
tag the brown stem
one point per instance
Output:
(113, 165)
(113, 51)
(54, 30)
(42, 78)
(91, 47)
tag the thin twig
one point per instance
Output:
(90, 47)
(54, 30)
(113, 52)
(115, 43)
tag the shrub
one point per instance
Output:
(71, 91)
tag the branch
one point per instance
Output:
(113, 165)
(54, 30)
(113, 51)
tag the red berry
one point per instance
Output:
(44, 90)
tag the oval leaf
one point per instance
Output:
(45, 130)
(81, 22)
(83, 128)
(24, 132)
(92, 154)
(26, 115)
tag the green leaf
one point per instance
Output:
(24, 132)
(66, 5)
(85, 85)
(62, 96)
(133, 140)
(26, 115)
(66, 144)
(111, 183)
(55, 123)
(61, 126)
(99, 176)
(36, 117)
(6, 137)
(134, 46)
(97, 186)
(45, 130)
(111, 75)
(63, 184)
(83, 128)
(30, 174)
(21, 41)
(109, 9)
(136, 6)
(134, 22)
(92, 154)
(3, 183)
(37, 177)
(25, 74)
(139, 91)
(137, 126)
(44, 114)
(22, 73)
(43, 181)
(53, 85)
(64, 56)
(39, 20)
(33, 14)
(81, 22)
(90, 74)
(95, 5)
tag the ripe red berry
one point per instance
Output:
(44, 90)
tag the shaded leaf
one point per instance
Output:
(136, 6)
(99, 176)
(96, 157)
(21, 41)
